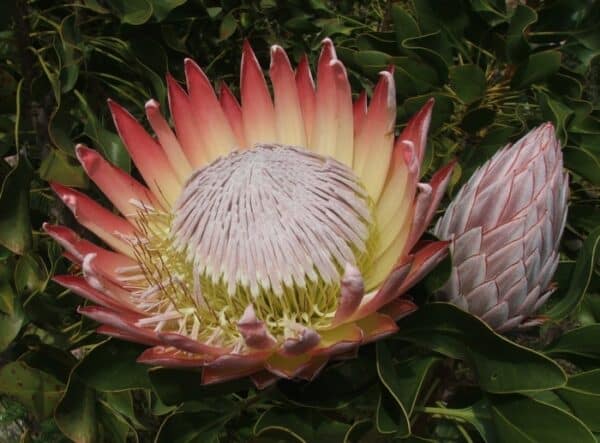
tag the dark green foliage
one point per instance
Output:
(496, 69)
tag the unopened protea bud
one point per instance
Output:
(505, 225)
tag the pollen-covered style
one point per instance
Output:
(269, 236)
(505, 225)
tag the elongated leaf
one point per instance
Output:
(175, 386)
(133, 12)
(538, 67)
(76, 414)
(521, 419)
(37, 390)
(501, 365)
(468, 82)
(517, 46)
(112, 366)
(31, 274)
(15, 229)
(58, 167)
(162, 8)
(12, 316)
(583, 405)
(581, 277)
(582, 342)
(192, 428)
(301, 425)
(402, 383)
(337, 386)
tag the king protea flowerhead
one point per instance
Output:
(269, 236)
(505, 226)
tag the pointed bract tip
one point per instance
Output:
(328, 48)
(87, 157)
(276, 49)
(387, 80)
(326, 41)
(549, 125)
(80, 147)
(67, 196)
(58, 188)
(115, 108)
(191, 67)
(247, 48)
(152, 105)
(278, 56)
(172, 83)
(338, 68)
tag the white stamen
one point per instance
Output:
(270, 217)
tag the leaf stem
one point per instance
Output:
(456, 414)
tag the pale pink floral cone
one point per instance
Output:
(505, 225)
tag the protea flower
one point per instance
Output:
(268, 237)
(505, 225)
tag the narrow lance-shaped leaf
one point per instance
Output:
(501, 365)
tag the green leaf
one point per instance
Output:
(429, 48)
(113, 427)
(501, 365)
(586, 381)
(12, 316)
(336, 387)
(7, 294)
(15, 229)
(193, 427)
(302, 425)
(404, 24)
(59, 167)
(468, 81)
(76, 415)
(228, 26)
(371, 62)
(520, 419)
(162, 8)
(112, 366)
(581, 342)
(132, 12)
(580, 278)
(478, 415)
(402, 384)
(583, 162)
(582, 395)
(121, 402)
(538, 67)
(36, 390)
(50, 359)
(31, 274)
(477, 119)
(556, 111)
(183, 428)
(109, 143)
(175, 386)
(517, 47)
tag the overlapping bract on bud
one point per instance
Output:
(505, 226)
